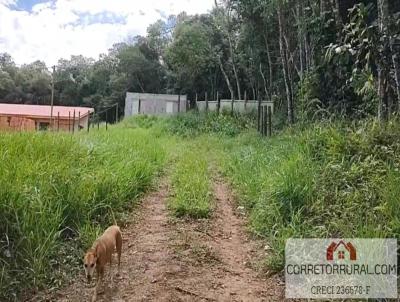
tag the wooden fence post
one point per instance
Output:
(69, 121)
(73, 126)
(259, 113)
(232, 106)
(218, 103)
(116, 114)
(179, 102)
(269, 114)
(88, 123)
(139, 106)
(206, 99)
(262, 121)
(265, 121)
(106, 120)
(245, 100)
(58, 121)
(79, 121)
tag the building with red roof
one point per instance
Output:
(17, 117)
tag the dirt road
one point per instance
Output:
(173, 260)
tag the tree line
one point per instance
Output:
(312, 58)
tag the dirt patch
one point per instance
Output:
(173, 260)
(219, 257)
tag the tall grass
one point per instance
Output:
(195, 124)
(325, 181)
(58, 188)
(191, 182)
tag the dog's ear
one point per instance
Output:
(96, 252)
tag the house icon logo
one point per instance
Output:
(341, 251)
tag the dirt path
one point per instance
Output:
(173, 260)
(219, 257)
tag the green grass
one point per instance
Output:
(191, 183)
(325, 181)
(59, 191)
(195, 124)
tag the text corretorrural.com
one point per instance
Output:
(341, 269)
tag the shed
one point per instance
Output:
(154, 104)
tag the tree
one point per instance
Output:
(142, 73)
(283, 46)
(190, 54)
(226, 22)
(382, 62)
(7, 84)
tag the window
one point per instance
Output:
(44, 126)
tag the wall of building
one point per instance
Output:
(65, 124)
(154, 104)
(238, 105)
(8, 123)
(14, 123)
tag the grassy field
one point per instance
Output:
(57, 192)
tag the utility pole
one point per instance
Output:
(52, 97)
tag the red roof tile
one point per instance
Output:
(43, 111)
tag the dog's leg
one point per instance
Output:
(94, 297)
(111, 273)
(119, 250)
(100, 276)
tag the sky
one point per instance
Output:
(46, 30)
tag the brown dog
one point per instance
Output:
(101, 253)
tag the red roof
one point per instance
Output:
(43, 111)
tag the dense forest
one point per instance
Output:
(313, 58)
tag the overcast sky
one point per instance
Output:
(48, 30)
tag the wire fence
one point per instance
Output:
(106, 116)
